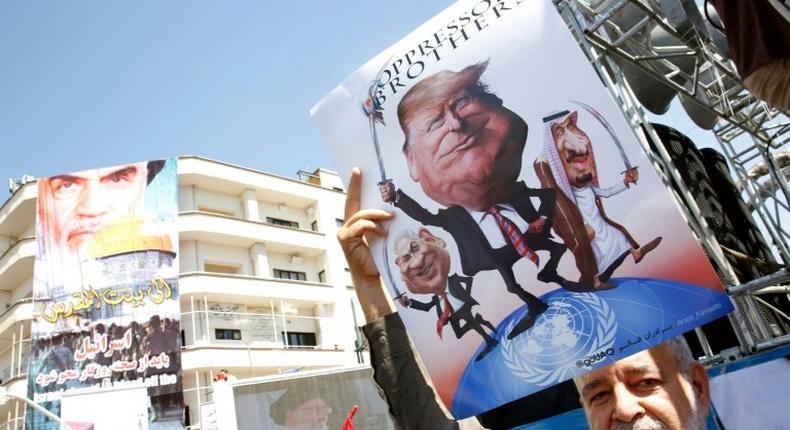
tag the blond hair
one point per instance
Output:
(439, 87)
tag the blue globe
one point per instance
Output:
(580, 332)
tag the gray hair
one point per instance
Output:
(680, 349)
(402, 241)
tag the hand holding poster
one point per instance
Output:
(532, 240)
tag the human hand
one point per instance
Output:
(404, 300)
(387, 191)
(364, 274)
(537, 225)
(590, 232)
(357, 224)
(631, 176)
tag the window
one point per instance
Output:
(299, 339)
(322, 276)
(282, 222)
(339, 222)
(314, 225)
(288, 274)
(227, 334)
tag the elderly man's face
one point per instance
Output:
(310, 415)
(645, 391)
(575, 150)
(466, 151)
(83, 202)
(424, 263)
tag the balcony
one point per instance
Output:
(234, 179)
(241, 287)
(266, 360)
(258, 340)
(13, 362)
(18, 213)
(226, 230)
(16, 263)
(21, 310)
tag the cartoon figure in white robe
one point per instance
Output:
(567, 164)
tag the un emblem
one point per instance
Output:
(576, 331)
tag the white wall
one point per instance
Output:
(188, 259)
(30, 231)
(267, 209)
(186, 198)
(283, 262)
(219, 201)
(226, 255)
(23, 290)
(5, 301)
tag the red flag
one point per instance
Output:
(348, 424)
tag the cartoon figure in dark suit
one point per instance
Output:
(464, 148)
(424, 265)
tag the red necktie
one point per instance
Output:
(514, 236)
(444, 317)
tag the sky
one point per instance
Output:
(97, 83)
(94, 83)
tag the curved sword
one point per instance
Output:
(610, 130)
(375, 113)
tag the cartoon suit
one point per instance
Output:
(477, 254)
(461, 319)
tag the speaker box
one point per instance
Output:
(690, 164)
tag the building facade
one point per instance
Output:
(264, 286)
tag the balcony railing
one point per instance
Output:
(16, 247)
(13, 360)
(256, 330)
(301, 228)
(13, 306)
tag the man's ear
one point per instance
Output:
(411, 162)
(700, 383)
(428, 237)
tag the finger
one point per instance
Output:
(354, 191)
(363, 226)
(369, 214)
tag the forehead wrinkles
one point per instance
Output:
(403, 244)
(423, 118)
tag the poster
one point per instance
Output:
(315, 400)
(532, 239)
(105, 291)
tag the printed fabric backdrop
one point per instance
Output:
(105, 291)
(533, 240)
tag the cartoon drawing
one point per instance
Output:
(567, 164)
(424, 265)
(464, 148)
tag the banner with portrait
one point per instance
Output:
(105, 290)
(532, 240)
(314, 399)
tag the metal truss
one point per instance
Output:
(615, 36)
